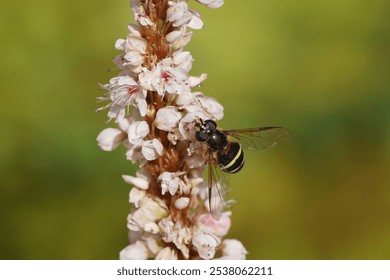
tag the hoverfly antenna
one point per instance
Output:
(199, 122)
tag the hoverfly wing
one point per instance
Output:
(259, 138)
(218, 188)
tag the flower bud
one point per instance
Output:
(110, 138)
(167, 118)
(152, 149)
(182, 202)
(136, 251)
(205, 244)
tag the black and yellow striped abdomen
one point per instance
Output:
(231, 160)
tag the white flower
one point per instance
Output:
(170, 182)
(165, 79)
(196, 81)
(139, 13)
(110, 138)
(190, 103)
(136, 251)
(136, 195)
(177, 39)
(211, 106)
(195, 22)
(183, 60)
(134, 153)
(152, 149)
(135, 35)
(124, 65)
(196, 102)
(167, 254)
(124, 91)
(150, 210)
(152, 228)
(182, 238)
(179, 14)
(141, 183)
(177, 233)
(135, 50)
(137, 131)
(185, 99)
(233, 249)
(182, 202)
(205, 244)
(186, 124)
(167, 118)
(135, 29)
(120, 44)
(135, 43)
(211, 3)
(151, 242)
(125, 121)
(166, 225)
(141, 180)
(203, 192)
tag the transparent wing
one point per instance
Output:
(259, 138)
(218, 184)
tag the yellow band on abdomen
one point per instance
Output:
(233, 160)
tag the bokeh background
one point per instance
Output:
(319, 68)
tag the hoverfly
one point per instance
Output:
(227, 155)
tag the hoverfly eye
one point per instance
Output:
(211, 124)
(201, 136)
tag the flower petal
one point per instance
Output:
(152, 228)
(167, 118)
(151, 210)
(233, 250)
(136, 195)
(211, 3)
(136, 251)
(137, 131)
(110, 138)
(140, 183)
(205, 244)
(167, 253)
(182, 202)
(152, 149)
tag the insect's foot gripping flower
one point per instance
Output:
(154, 108)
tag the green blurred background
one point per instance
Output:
(319, 68)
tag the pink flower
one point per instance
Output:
(165, 79)
(209, 224)
(123, 92)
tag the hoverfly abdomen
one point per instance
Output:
(231, 160)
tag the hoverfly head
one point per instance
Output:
(212, 126)
(204, 129)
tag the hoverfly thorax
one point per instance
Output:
(206, 131)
